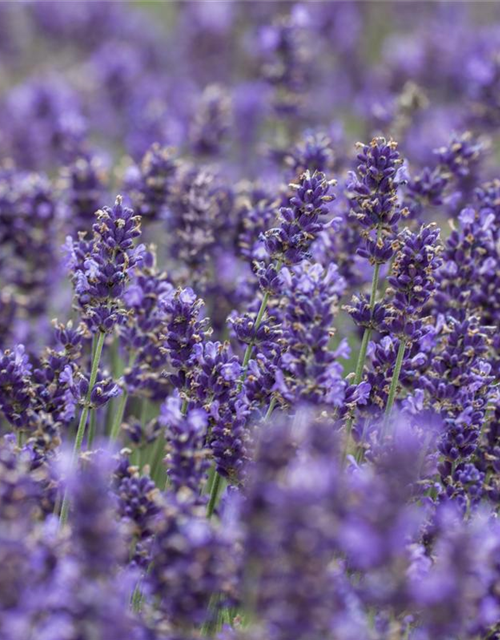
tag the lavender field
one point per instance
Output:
(249, 320)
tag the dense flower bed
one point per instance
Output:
(269, 408)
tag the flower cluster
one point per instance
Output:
(279, 417)
(101, 267)
(300, 221)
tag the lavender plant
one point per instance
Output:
(279, 417)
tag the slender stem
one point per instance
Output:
(92, 428)
(360, 364)
(375, 280)
(216, 484)
(120, 411)
(367, 333)
(258, 322)
(83, 422)
(92, 425)
(210, 480)
(137, 598)
(19, 438)
(156, 458)
(394, 383)
(144, 412)
(117, 422)
(214, 494)
(270, 409)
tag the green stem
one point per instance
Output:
(156, 458)
(394, 383)
(360, 364)
(92, 429)
(117, 422)
(258, 322)
(136, 599)
(19, 438)
(216, 485)
(83, 422)
(270, 409)
(214, 494)
(120, 411)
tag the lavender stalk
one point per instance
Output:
(83, 422)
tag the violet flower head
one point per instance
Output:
(302, 220)
(212, 121)
(29, 228)
(314, 153)
(309, 371)
(469, 276)
(95, 531)
(458, 382)
(192, 562)
(84, 184)
(460, 155)
(187, 458)
(256, 208)
(286, 55)
(454, 593)
(142, 334)
(138, 506)
(16, 388)
(413, 279)
(184, 329)
(150, 183)
(101, 268)
(445, 182)
(216, 385)
(373, 196)
(373, 187)
(200, 221)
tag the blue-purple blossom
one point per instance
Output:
(302, 220)
(283, 466)
(101, 268)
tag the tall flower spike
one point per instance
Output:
(373, 195)
(184, 329)
(191, 562)
(142, 334)
(95, 532)
(212, 121)
(413, 279)
(309, 371)
(412, 284)
(314, 153)
(302, 220)
(286, 59)
(149, 184)
(16, 390)
(443, 183)
(84, 185)
(187, 457)
(138, 505)
(458, 382)
(101, 268)
(256, 210)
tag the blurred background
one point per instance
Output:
(119, 76)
